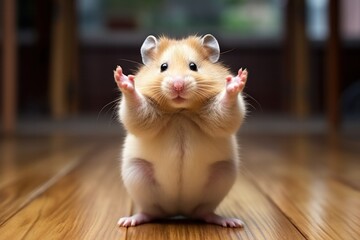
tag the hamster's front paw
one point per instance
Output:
(134, 220)
(125, 83)
(235, 85)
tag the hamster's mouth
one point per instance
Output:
(179, 99)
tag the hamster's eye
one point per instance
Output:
(163, 67)
(193, 66)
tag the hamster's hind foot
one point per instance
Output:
(222, 221)
(134, 220)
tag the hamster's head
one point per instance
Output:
(181, 74)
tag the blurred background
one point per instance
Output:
(58, 56)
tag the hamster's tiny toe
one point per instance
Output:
(134, 220)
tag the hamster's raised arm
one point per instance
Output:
(225, 114)
(136, 112)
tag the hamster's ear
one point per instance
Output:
(147, 48)
(210, 42)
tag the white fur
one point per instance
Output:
(181, 153)
(181, 161)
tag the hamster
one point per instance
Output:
(181, 111)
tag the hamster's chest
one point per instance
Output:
(182, 147)
(178, 137)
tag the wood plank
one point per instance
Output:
(290, 187)
(20, 155)
(298, 176)
(84, 204)
(22, 179)
(25, 150)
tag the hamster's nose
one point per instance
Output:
(178, 84)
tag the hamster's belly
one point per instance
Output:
(181, 162)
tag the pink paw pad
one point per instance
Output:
(234, 85)
(125, 83)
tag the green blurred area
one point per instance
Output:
(259, 17)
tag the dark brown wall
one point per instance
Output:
(265, 62)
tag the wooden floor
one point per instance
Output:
(291, 186)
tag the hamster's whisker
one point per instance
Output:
(128, 60)
(158, 96)
(248, 96)
(230, 50)
(106, 105)
(200, 95)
